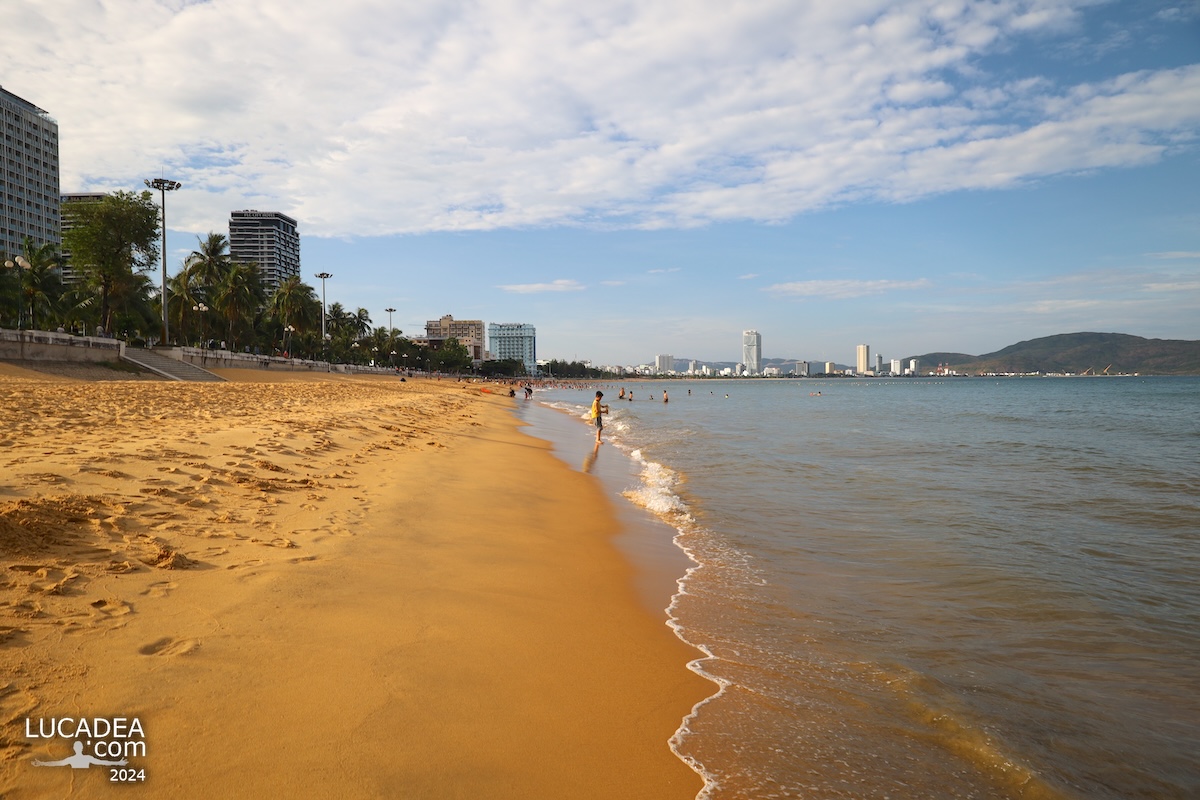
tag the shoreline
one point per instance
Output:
(391, 591)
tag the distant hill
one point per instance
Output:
(1078, 353)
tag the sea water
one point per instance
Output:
(922, 588)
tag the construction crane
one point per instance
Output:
(1106, 369)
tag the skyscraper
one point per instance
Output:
(514, 340)
(864, 359)
(29, 201)
(268, 239)
(752, 352)
(664, 364)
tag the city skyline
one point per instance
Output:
(925, 177)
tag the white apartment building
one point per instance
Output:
(514, 340)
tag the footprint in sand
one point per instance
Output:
(160, 589)
(167, 646)
(112, 607)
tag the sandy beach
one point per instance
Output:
(320, 586)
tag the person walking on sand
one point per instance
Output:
(598, 409)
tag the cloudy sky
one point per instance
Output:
(655, 176)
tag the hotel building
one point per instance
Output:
(268, 239)
(468, 332)
(29, 188)
(514, 340)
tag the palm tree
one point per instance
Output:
(360, 323)
(42, 286)
(238, 297)
(184, 293)
(295, 303)
(210, 262)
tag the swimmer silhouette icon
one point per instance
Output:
(79, 760)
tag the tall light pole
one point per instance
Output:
(323, 276)
(389, 310)
(163, 185)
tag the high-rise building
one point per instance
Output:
(664, 364)
(896, 370)
(268, 239)
(68, 204)
(752, 352)
(914, 366)
(864, 359)
(468, 332)
(801, 369)
(514, 340)
(29, 199)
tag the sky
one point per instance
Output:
(656, 176)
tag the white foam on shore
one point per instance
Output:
(655, 491)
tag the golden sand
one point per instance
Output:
(320, 586)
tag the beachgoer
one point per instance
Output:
(597, 410)
(665, 398)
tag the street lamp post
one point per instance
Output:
(389, 310)
(323, 276)
(20, 266)
(287, 340)
(163, 185)
(200, 308)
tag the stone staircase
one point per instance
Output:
(171, 368)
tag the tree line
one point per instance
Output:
(212, 301)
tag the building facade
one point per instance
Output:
(664, 364)
(29, 179)
(468, 332)
(268, 239)
(863, 363)
(514, 340)
(752, 352)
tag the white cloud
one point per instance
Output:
(537, 288)
(369, 118)
(844, 289)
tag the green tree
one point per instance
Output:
(361, 323)
(296, 303)
(41, 284)
(452, 356)
(210, 262)
(184, 294)
(110, 241)
(238, 298)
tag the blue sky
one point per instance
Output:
(654, 176)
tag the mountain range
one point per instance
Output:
(1079, 353)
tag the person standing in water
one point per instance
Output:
(665, 398)
(598, 409)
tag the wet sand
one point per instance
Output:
(321, 586)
